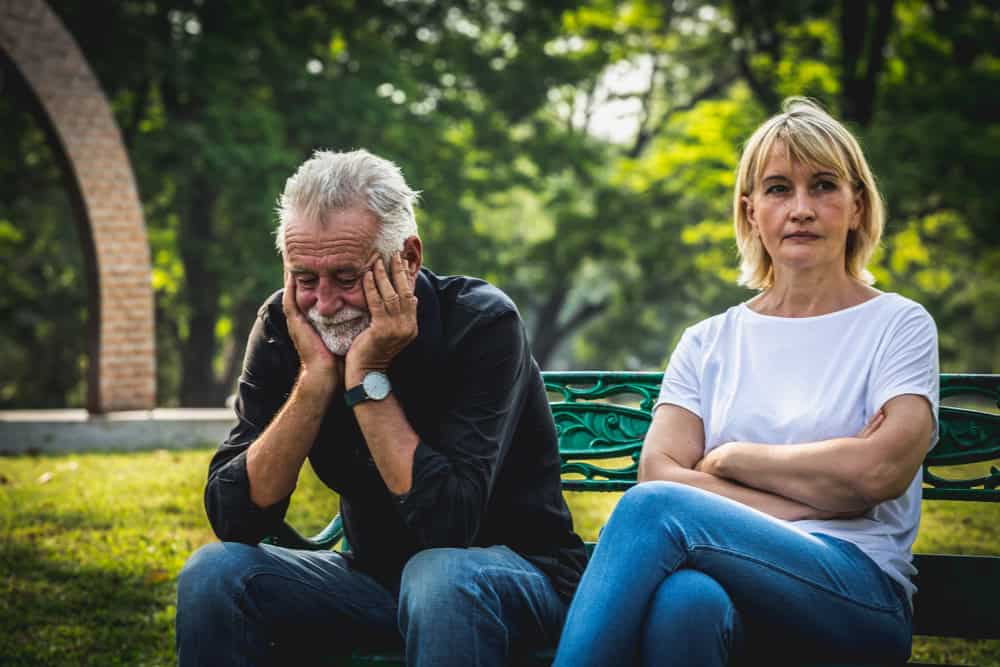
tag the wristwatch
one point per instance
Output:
(374, 387)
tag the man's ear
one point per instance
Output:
(412, 255)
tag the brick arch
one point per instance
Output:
(77, 118)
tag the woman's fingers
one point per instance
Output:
(872, 425)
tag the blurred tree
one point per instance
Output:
(220, 101)
(578, 154)
(900, 73)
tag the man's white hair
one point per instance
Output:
(330, 181)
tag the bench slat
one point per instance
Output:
(957, 596)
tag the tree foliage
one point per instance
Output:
(611, 234)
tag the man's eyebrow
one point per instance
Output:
(298, 271)
(357, 270)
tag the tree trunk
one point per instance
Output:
(549, 333)
(244, 316)
(543, 342)
(199, 386)
(862, 56)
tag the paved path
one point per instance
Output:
(53, 431)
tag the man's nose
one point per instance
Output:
(329, 299)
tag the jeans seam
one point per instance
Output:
(519, 572)
(254, 573)
(804, 580)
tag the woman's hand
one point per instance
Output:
(714, 463)
(846, 475)
(872, 425)
(673, 451)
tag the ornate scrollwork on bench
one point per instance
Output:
(966, 437)
(591, 429)
(599, 431)
(576, 386)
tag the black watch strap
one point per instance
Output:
(355, 395)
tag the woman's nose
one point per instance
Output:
(802, 207)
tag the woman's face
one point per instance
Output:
(802, 214)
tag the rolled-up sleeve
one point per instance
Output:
(262, 390)
(453, 477)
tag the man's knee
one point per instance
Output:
(435, 581)
(213, 573)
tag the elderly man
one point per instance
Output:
(415, 397)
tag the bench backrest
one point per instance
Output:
(602, 417)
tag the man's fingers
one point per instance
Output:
(399, 276)
(389, 296)
(288, 298)
(375, 305)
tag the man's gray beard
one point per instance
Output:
(339, 331)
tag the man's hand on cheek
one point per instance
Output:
(318, 364)
(393, 309)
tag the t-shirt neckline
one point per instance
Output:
(812, 318)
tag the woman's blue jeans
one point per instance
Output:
(682, 576)
(257, 605)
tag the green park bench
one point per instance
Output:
(602, 418)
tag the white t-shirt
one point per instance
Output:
(760, 378)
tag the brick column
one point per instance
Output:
(77, 115)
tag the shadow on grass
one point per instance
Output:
(57, 611)
(60, 519)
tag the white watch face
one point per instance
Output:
(376, 385)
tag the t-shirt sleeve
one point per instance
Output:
(908, 364)
(682, 379)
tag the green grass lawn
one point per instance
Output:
(91, 545)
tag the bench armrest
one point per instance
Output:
(286, 536)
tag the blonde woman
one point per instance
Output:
(780, 478)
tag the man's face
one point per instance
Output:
(328, 262)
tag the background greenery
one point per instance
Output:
(92, 545)
(611, 236)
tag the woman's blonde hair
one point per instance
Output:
(813, 137)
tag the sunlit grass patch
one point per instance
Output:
(91, 546)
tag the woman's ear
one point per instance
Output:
(859, 209)
(749, 211)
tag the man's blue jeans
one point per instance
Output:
(253, 605)
(682, 576)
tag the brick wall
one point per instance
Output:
(122, 356)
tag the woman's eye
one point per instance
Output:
(826, 185)
(776, 189)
